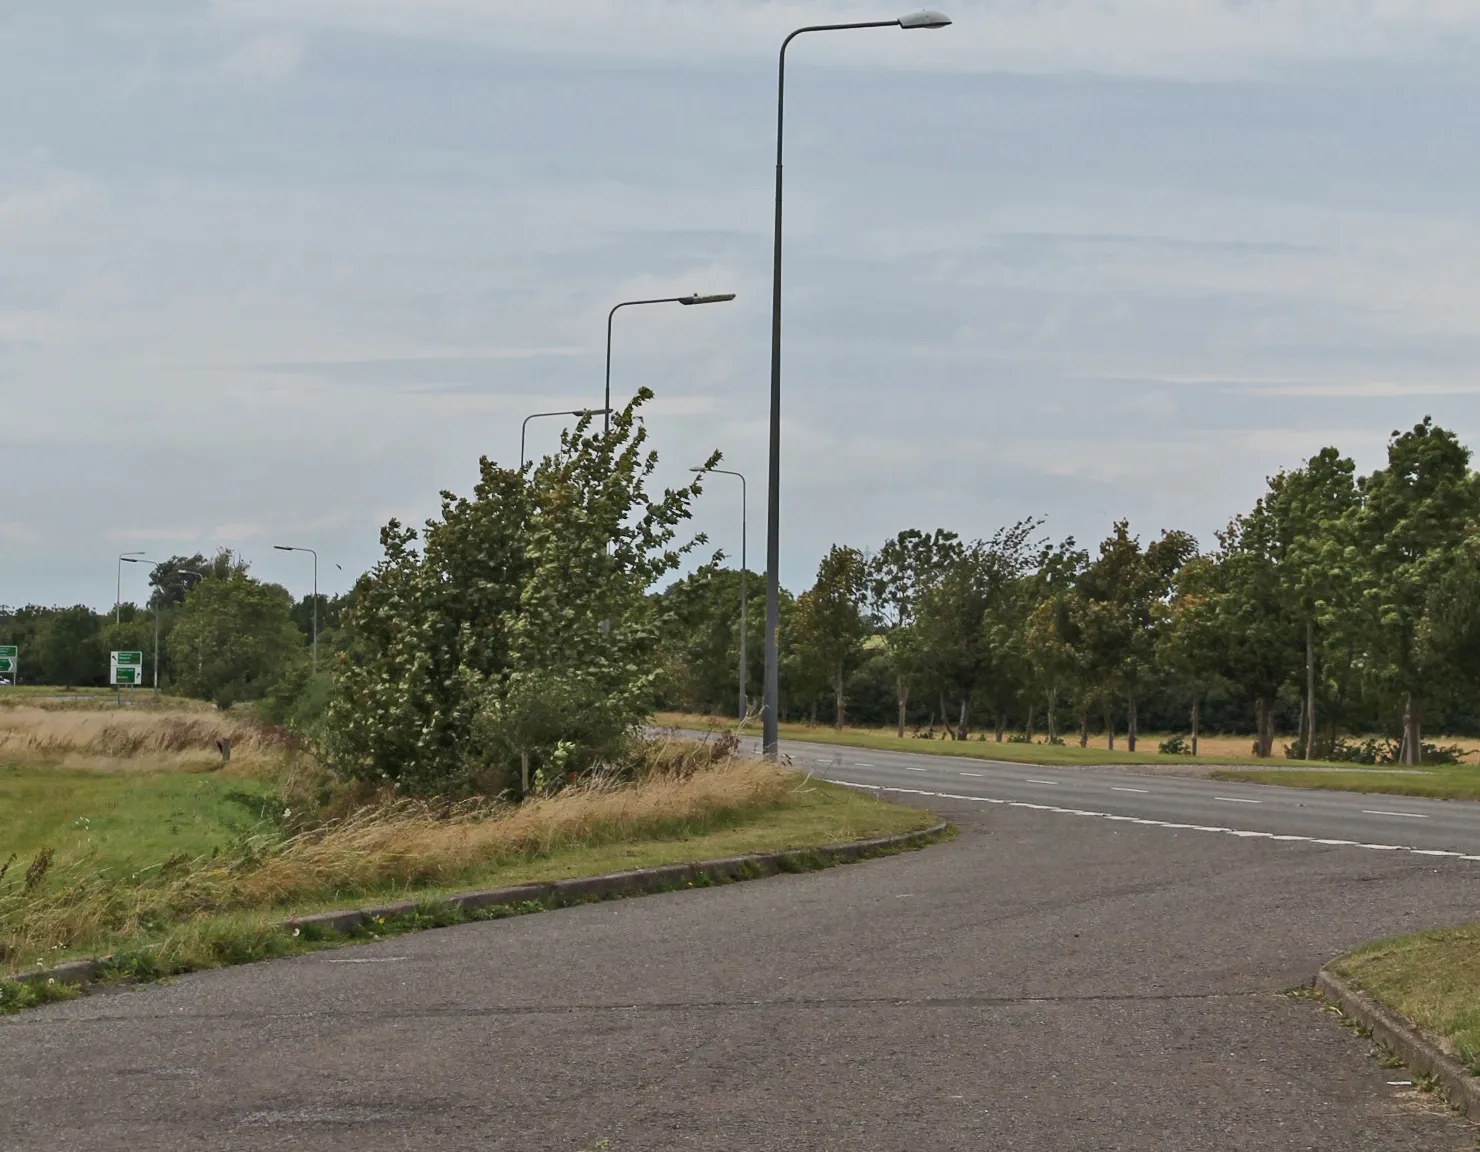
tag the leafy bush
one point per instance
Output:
(520, 636)
(1373, 750)
(1175, 746)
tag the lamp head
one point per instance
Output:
(925, 18)
(712, 298)
(283, 547)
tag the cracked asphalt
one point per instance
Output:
(1039, 983)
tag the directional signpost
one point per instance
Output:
(125, 668)
(10, 664)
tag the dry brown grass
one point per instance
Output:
(128, 739)
(388, 846)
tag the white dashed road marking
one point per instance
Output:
(1380, 812)
(909, 769)
(976, 774)
(1114, 789)
(1032, 781)
(1237, 800)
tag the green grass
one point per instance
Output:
(126, 820)
(1446, 782)
(1432, 979)
(146, 818)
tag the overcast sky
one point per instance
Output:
(274, 271)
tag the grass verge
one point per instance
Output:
(1430, 978)
(230, 907)
(1450, 782)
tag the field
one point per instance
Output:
(1432, 978)
(124, 832)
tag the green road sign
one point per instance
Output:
(9, 650)
(126, 676)
(129, 659)
(8, 665)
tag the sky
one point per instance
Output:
(277, 271)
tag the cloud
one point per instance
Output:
(1190, 38)
(268, 58)
(25, 211)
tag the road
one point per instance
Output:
(1382, 823)
(1045, 981)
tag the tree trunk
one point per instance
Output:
(1083, 724)
(902, 693)
(1263, 727)
(1310, 688)
(1195, 702)
(1028, 731)
(1130, 723)
(1053, 732)
(1001, 725)
(945, 718)
(1109, 727)
(523, 774)
(838, 719)
(961, 728)
(1412, 737)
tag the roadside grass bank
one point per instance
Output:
(1446, 782)
(1429, 978)
(172, 869)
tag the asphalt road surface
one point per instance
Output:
(1381, 823)
(1047, 981)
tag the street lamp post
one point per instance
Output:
(691, 298)
(744, 500)
(118, 593)
(315, 555)
(536, 415)
(769, 716)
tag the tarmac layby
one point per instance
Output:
(1048, 980)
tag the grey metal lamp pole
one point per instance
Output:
(536, 415)
(140, 558)
(769, 717)
(691, 298)
(744, 501)
(291, 548)
(118, 593)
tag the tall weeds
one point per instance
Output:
(670, 788)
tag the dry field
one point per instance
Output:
(109, 739)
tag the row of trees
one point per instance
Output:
(1343, 603)
(222, 634)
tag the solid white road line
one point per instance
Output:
(1241, 833)
(1237, 800)
(1115, 789)
(1380, 812)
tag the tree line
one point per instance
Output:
(1338, 605)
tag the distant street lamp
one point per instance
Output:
(744, 500)
(769, 716)
(524, 427)
(315, 555)
(118, 594)
(691, 298)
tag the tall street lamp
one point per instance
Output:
(536, 415)
(769, 715)
(158, 596)
(691, 298)
(744, 500)
(315, 555)
(118, 593)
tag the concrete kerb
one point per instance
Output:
(1419, 1052)
(580, 890)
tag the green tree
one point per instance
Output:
(830, 623)
(897, 575)
(1051, 637)
(71, 651)
(1118, 593)
(968, 620)
(541, 574)
(233, 639)
(1408, 529)
(1190, 644)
